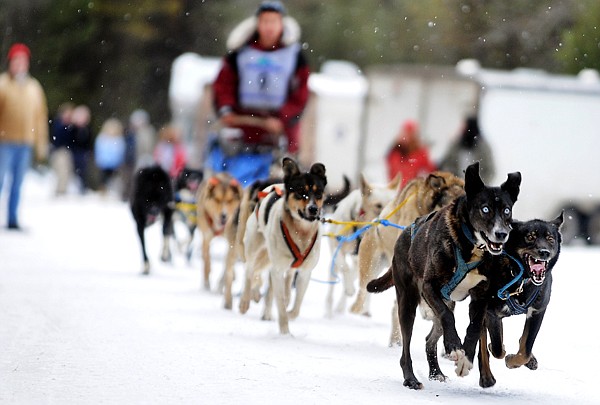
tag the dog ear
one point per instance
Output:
(365, 187)
(511, 185)
(435, 182)
(473, 182)
(559, 220)
(290, 167)
(236, 186)
(318, 169)
(396, 181)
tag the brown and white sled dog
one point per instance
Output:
(283, 234)
(234, 233)
(418, 197)
(361, 205)
(218, 200)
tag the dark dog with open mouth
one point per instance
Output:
(521, 284)
(152, 197)
(436, 262)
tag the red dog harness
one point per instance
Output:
(299, 257)
(263, 194)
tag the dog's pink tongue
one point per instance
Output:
(537, 268)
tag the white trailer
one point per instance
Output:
(548, 127)
(545, 126)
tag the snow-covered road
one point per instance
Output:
(79, 324)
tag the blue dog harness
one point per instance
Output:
(462, 267)
(514, 307)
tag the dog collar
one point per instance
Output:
(299, 256)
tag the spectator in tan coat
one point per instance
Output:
(23, 125)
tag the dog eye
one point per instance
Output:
(550, 238)
(530, 237)
(485, 210)
(506, 211)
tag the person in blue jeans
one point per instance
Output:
(23, 125)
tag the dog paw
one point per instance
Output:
(146, 269)
(267, 317)
(293, 314)
(532, 364)
(463, 366)
(256, 295)
(455, 355)
(356, 308)
(244, 306)
(437, 376)
(513, 361)
(227, 304)
(413, 384)
(284, 329)
(487, 381)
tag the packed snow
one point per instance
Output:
(80, 324)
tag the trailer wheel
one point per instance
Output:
(594, 227)
(572, 229)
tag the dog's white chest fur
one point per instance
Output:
(462, 289)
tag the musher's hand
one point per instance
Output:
(273, 125)
(229, 120)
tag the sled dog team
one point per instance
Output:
(441, 238)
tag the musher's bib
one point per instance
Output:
(265, 76)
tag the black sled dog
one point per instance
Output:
(521, 284)
(152, 197)
(436, 262)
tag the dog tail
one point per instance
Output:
(332, 200)
(382, 283)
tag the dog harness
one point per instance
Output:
(211, 224)
(514, 307)
(299, 256)
(262, 194)
(186, 207)
(462, 267)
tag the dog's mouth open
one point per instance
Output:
(494, 248)
(537, 269)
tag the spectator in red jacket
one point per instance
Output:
(407, 155)
(259, 93)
